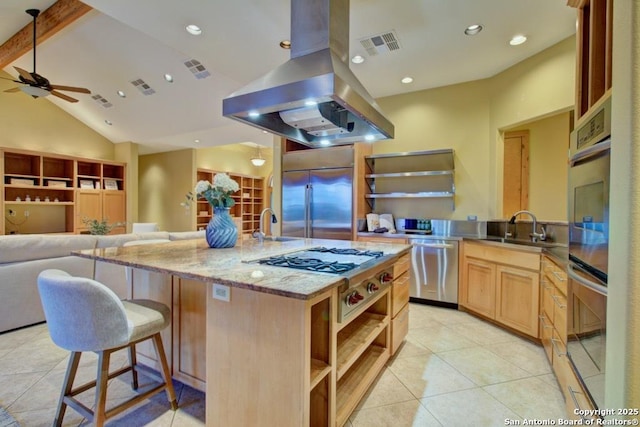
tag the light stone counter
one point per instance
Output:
(193, 259)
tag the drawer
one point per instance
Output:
(546, 333)
(559, 357)
(400, 293)
(557, 276)
(402, 265)
(399, 328)
(500, 255)
(546, 299)
(560, 315)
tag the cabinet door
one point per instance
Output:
(114, 209)
(189, 332)
(517, 299)
(89, 206)
(478, 292)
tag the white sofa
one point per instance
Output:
(23, 257)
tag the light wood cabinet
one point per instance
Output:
(517, 299)
(478, 287)
(61, 190)
(400, 301)
(501, 284)
(593, 52)
(249, 202)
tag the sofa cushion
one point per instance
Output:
(19, 298)
(185, 235)
(16, 248)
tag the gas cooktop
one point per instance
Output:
(323, 260)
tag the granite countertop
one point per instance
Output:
(193, 259)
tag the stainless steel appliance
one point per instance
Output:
(587, 324)
(314, 97)
(589, 251)
(366, 273)
(434, 275)
(434, 270)
(317, 193)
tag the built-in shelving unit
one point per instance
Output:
(249, 201)
(411, 175)
(57, 192)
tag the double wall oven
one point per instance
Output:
(589, 250)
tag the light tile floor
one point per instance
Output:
(453, 370)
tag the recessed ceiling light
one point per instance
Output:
(369, 138)
(516, 40)
(407, 80)
(193, 29)
(472, 30)
(358, 59)
(109, 122)
(121, 94)
(253, 114)
(325, 142)
(196, 141)
(310, 103)
(285, 44)
(169, 78)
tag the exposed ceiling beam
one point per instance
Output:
(52, 20)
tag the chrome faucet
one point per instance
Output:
(534, 233)
(260, 234)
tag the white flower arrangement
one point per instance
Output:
(217, 194)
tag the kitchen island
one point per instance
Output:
(282, 346)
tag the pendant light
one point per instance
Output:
(258, 160)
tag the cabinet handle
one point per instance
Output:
(556, 349)
(558, 276)
(573, 393)
(543, 319)
(555, 299)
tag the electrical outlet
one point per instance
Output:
(221, 292)
(26, 214)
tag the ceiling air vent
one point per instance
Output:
(381, 43)
(143, 87)
(101, 101)
(197, 68)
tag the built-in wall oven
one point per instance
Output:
(589, 251)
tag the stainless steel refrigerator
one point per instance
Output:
(317, 193)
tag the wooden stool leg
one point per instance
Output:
(171, 394)
(101, 388)
(133, 362)
(67, 385)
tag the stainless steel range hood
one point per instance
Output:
(313, 98)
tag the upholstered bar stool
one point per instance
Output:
(84, 315)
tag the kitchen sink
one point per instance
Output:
(523, 242)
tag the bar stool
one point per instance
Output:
(84, 315)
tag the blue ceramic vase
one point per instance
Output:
(221, 231)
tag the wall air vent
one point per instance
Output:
(197, 68)
(101, 101)
(143, 87)
(380, 43)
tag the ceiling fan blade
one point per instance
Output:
(13, 80)
(25, 75)
(63, 96)
(71, 88)
(13, 89)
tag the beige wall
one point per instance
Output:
(234, 158)
(449, 117)
(470, 117)
(548, 168)
(37, 124)
(163, 181)
(127, 152)
(622, 386)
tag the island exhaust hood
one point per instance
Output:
(313, 98)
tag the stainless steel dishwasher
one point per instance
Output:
(434, 275)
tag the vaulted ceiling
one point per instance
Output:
(120, 41)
